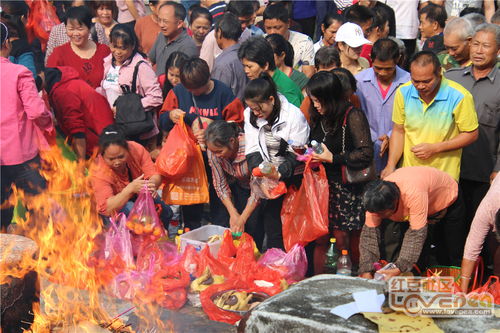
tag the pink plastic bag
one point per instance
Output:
(117, 242)
(292, 265)
(144, 222)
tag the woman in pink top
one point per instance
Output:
(119, 69)
(23, 120)
(486, 221)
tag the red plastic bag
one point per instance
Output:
(168, 286)
(213, 311)
(158, 254)
(304, 213)
(41, 20)
(292, 265)
(177, 151)
(491, 286)
(267, 188)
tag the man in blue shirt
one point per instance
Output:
(376, 89)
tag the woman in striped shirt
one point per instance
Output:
(231, 177)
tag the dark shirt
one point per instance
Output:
(358, 144)
(229, 70)
(481, 157)
(161, 50)
(434, 44)
(217, 10)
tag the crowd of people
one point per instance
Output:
(405, 91)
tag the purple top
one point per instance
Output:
(378, 110)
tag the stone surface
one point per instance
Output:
(13, 247)
(306, 307)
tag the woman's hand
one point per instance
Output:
(236, 223)
(175, 115)
(136, 185)
(325, 157)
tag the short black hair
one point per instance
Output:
(241, 8)
(423, 58)
(380, 17)
(277, 11)
(257, 49)
(195, 73)
(434, 13)
(332, 17)
(112, 135)
(81, 14)
(219, 132)
(175, 60)
(229, 26)
(179, 10)
(200, 12)
(380, 195)
(358, 14)
(385, 49)
(327, 56)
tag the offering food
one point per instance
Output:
(214, 238)
(143, 225)
(234, 300)
(206, 280)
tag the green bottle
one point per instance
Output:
(332, 255)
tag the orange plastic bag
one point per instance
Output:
(177, 151)
(304, 213)
(192, 187)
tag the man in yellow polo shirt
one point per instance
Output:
(434, 118)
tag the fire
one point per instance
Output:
(64, 223)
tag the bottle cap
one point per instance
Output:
(180, 232)
(187, 230)
(333, 240)
(345, 252)
(314, 143)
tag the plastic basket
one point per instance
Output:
(199, 237)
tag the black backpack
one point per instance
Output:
(130, 114)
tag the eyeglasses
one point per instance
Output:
(166, 22)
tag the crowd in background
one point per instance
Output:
(407, 89)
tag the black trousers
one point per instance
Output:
(26, 177)
(473, 193)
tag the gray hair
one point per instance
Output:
(461, 27)
(219, 132)
(489, 27)
(475, 19)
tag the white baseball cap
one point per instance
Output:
(351, 34)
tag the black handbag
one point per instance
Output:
(130, 114)
(354, 176)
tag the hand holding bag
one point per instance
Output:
(130, 114)
(353, 176)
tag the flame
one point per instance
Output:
(64, 223)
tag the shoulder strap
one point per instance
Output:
(343, 128)
(346, 114)
(134, 77)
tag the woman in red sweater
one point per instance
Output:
(84, 55)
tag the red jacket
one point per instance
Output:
(80, 110)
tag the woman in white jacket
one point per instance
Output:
(272, 127)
